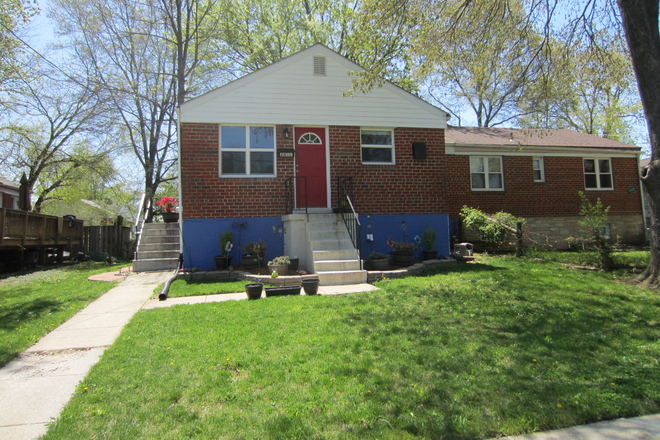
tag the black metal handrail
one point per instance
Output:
(290, 186)
(348, 214)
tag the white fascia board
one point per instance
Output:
(505, 150)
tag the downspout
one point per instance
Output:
(641, 192)
(162, 296)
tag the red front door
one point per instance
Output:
(310, 163)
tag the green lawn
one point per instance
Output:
(502, 347)
(34, 304)
(181, 288)
(590, 258)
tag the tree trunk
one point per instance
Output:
(640, 21)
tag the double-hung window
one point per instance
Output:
(377, 146)
(247, 151)
(597, 174)
(486, 173)
(539, 174)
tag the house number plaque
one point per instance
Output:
(285, 152)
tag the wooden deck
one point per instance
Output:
(22, 230)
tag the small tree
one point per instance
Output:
(595, 218)
(494, 228)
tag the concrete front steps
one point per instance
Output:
(334, 258)
(158, 249)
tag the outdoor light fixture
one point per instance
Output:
(286, 133)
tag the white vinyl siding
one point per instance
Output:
(294, 93)
(486, 173)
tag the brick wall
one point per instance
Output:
(437, 184)
(206, 195)
(413, 186)
(557, 196)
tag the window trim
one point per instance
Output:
(391, 147)
(247, 151)
(486, 173)
(597, 173)
(541, 168)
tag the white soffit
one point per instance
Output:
(288, 92)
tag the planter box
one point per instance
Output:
(282, 290)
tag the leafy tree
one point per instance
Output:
(146, 56)
(486, 61)
(495, 228)
(53, 134)
(14, 15)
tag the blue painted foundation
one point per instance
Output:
(201, 243)
(384, 227)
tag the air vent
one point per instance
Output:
(319, 65)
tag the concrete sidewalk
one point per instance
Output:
(35, 386)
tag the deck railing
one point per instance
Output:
(24, 228)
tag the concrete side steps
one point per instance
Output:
(157, 264)
(159, 248)
(348, 254)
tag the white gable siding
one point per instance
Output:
(292, 94)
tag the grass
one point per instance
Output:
(502, 347)
(34, 304)
(180, 288)
(590, 258)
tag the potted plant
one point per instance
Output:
(168, 206)
(378, 261)
(279, 265)
(311, 286)
(253, 290)
(402, 252)
(223, 261)
(255, 252)
(428, 237)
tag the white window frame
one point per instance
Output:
(598, 174)
(486, 173)
(605, 231)
(541, 168)
(391, 147)
(247, 151)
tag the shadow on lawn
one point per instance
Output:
(12, 316)
(528, 340)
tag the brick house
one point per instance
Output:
(265, 153)
(9, 193)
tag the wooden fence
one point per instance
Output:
(115, 240)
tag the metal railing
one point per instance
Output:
(348, 214)
(141, 219)
(290, 187)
